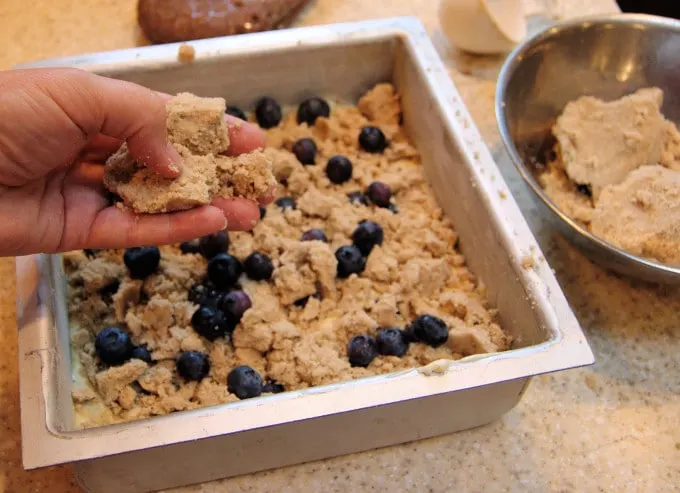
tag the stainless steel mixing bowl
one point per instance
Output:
(604, 56)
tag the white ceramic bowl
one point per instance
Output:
(483, 26)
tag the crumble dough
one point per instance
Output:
(601, 142)
(417, 270)
(642, 214)
(628, 156)
(197, 130)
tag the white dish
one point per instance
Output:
(483, 26)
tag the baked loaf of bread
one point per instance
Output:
(167, 21)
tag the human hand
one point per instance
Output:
(57, 127)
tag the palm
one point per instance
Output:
(50, 117)
(68, 210)
(55, 212)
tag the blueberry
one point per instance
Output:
(190, 247)
(305, 151)
(286, 203)
(196, 293)
(141, 352)
(234, 305)
(367, 235)
(141, 262)
(350, 261)
(314, 235)
(258, 266)
(193, 365)
(112, 198)
(311, 109)
(267, 112)
(91, 252)
(361, 350)
(237, 112)
(110, 289)
(371, 139)
(302, 302)
(585, 190)
(224, 270)
(113, 346)
(272, 388)
(339, 169)
(211, 245)
(211, 323)
(408, 335)
(379, 193)
(244, 382)
(204, 295)
(392, 342)
(263, 212)
(358, 198)
(430, 330)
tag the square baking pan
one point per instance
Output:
(340, 61)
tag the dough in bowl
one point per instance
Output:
(642, 214)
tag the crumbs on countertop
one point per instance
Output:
(186, 53)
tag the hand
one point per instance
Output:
(57, 127)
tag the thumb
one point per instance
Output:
(118, 109)
(137, 115)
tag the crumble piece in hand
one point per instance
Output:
(197, 130)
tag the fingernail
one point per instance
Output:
(175, 161)
(233, 124)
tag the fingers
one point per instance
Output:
(137, 115)
(116, 228)
(78, 106)
(120, 110)
(243, 136)
(164, 96)
(100, 148)
(267, 199)
(104, 143)
(87, 174)
(241, 214)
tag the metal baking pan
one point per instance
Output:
(341, 60)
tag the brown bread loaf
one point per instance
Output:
(166, 21)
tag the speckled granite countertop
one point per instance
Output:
(611, 427)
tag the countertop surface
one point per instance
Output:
(610, 427)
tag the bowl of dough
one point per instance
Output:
(588, 111)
